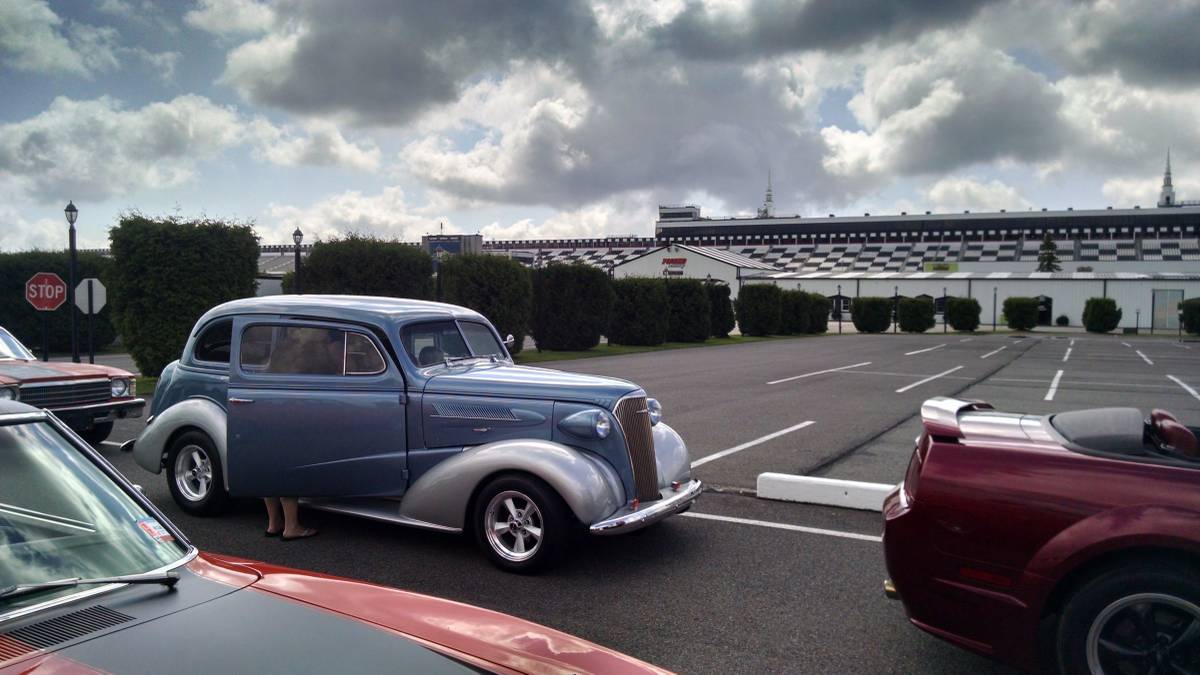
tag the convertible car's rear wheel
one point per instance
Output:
(1135, 619)
(194, 475)
(521, 523)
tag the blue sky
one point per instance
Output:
(555, 119)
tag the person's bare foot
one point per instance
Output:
(300, 533)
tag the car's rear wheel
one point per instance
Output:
(97, 434)
(1133, 619)
(194, 475)
(521, 523)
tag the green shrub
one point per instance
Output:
(1062, 320)
(688, 319)
(871, 315)
(25, 322)
(168, 272)
(1101, 315)
(571, 306)
(795, 312)
(819, 307)
(365, 265)
(1191, 315)
(915, 315)
(721, 319)
(963, 313)
(1021, 313)
(641, 312)
(496, 287)
(759, 309)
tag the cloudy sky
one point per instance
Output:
(554, 118)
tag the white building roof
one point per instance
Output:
(1011, 276)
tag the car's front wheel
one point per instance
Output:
(97, 434)
(1133, 619)
(194, 475)
(521, 523)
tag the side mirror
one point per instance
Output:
(510, 340)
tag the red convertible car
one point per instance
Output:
(93, 578)
(1072, 538)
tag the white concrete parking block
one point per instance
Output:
(848, 494)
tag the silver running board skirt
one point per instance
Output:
(387, 511)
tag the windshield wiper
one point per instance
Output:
(168, 578)
(452, 359)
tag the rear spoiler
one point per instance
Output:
(940, 415)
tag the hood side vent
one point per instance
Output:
(60, 629)
(473, 411)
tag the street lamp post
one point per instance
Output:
(839, 309)
(72, 214)
(297, 237)
(994, 309)
(945, 308)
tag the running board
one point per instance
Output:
(387, 511)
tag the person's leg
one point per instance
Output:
(292, 529)
(274, 516)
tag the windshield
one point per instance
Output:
(62, 517)
(11, 348)
(434, 342)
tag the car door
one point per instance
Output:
(315, 409)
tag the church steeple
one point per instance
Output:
(1167, 196)
(768, 207)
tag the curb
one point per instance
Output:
(847, 494)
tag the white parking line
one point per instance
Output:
(1053, 386)
(749, 444)
(922, 351)
(783, 526)
(994, 351)
(1127, 344)
(931, 378)
(1144, 357)
(1186, 388)
(819, 372)
(966, 339)
(1067, 355)
(1179, 344)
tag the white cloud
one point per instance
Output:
(627, 214)
(320, 144)
(231, 17)
(950, 195)
(35, 39)
(385, 214)
(1127, 192)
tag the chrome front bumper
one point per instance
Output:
(632, 518)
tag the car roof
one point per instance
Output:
(8, 407)
(357, 308)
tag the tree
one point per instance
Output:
(641, 312)
(571, 306)
(760, 309)
(365, 265)
(496, 287)
(1048, 255)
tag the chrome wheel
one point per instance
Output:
(513, 524)
(1146, 633)
(193, 473)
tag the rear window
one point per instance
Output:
(213, 344)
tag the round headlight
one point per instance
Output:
(655, 409)
(8, 394)
(120, 387)
(603, 426)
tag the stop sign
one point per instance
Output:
(46, 291)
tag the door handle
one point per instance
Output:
(240, 401)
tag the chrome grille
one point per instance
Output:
(66, 394)
(639, 441)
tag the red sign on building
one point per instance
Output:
(46, 291)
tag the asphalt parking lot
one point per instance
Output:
(742, 584)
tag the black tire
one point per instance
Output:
(97, 434)
(1139, 608)
(549, 516)
(188, 491)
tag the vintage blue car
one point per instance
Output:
(409, 412)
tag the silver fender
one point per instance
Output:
(671, 455)
(200, 413)
(587, 484)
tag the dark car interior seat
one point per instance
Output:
(430, 355)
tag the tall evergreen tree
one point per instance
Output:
(1048, 256)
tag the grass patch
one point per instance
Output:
(145, 385)
(534, 356)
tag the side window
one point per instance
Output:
(362, 358)
(430, 343)
(308, 350)
(482, 340)
(213, 344)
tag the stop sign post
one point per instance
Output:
(90, 297)
(46, 291)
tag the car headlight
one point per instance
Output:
(587, 424)
(603, 427)
(8, 394)
(655, 409)
(120, 387)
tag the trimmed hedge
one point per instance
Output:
(168, 272)
(915, 315)
(365, 265)
(963, 313)
(641, 312)
(819, 307)
(25, 322)
(1101, 315)
(571, 306)
(759, 309)
(721, 319)
(1062, 320)
(871, 315)
(497, 287)
(1021, 313)
(688, 319)
(1191, 315)
(795, 312)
